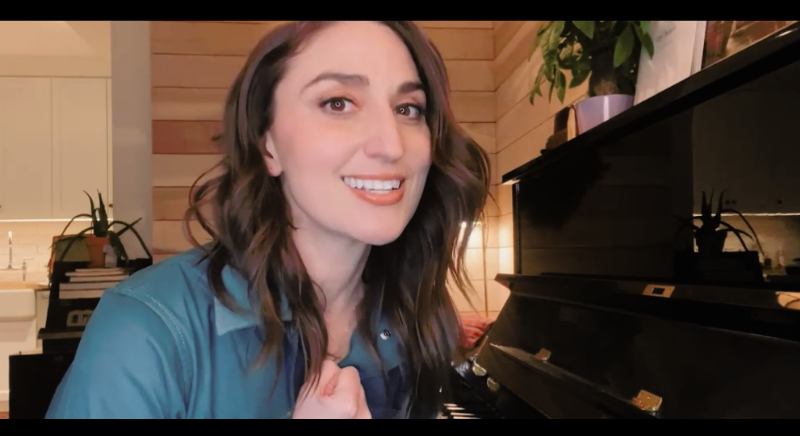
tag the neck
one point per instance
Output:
(334, 263)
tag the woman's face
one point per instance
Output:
(349, 136)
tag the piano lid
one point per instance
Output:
(581, 348)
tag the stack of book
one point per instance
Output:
(90, 282)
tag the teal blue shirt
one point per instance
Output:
(160, 345)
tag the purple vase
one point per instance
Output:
(593, 111)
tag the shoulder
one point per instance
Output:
(169, 284)
(176, 290)
(136, 354)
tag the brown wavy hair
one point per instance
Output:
(251, 226)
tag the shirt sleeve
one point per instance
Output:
(128, 365)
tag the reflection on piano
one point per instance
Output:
(600, 322)
(605, 349)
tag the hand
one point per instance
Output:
(337, 395)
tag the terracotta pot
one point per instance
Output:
(96, 255)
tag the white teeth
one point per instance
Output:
(375, 186)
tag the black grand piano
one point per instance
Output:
(612, 314)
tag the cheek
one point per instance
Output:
(418, 149)
(308, 153)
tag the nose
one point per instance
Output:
(386, 141)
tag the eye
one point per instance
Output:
(410, 110)
(338, 104)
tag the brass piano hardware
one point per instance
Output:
(662, 291)
(478, 370)
(543, 355)
(492, 385)
(647, 401)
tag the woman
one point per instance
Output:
(337, 220)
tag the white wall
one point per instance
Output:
(55, 48)
(132, 130)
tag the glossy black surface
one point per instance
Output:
(764, 57)
(33, 380)
(611, 201)
(472, 395)
(594, 227)
(707, 352)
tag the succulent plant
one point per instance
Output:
(711, 234)
(102, 228)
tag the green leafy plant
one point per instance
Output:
(609, 50)
(710, 236)
(102, 228)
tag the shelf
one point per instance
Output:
(768, 55)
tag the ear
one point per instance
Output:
(271, 157)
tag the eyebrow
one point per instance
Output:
(360, 80)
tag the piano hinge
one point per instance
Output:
(478, 370)
(543, 355)
(647, 401)
(492, 384)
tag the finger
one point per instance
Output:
(347, 395)
(329, 377)
(363, 413)
(349, 382)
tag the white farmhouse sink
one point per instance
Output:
(17, 304)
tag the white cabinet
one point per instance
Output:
(80, 144)
(25, 148)
(54, 144)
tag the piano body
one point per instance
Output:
(612, 320)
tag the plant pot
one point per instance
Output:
(593, 111)
(97, 257)
(714, 243)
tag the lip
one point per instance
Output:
(377, 176)
(389, 199)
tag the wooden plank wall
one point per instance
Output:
(632, 182)
(194, 63)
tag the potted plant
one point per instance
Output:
(605, 52)
(711, 261)
(711, 235)
(101, 235)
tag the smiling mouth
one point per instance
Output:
(372, 186)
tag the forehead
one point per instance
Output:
(354, 47)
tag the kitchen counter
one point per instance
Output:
(10, 286)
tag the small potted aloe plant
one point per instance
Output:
(711, 235)
(710, 260)
(605, 52)
(101, 235)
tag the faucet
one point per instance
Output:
(10, 252)
(25, 268)
(10, 266)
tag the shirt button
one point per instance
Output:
(386, 334)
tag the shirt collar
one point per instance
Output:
(228, 320)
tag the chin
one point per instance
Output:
(378, 235)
